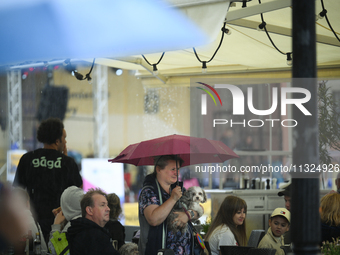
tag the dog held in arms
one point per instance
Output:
(191, 200)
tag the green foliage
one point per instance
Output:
(333, 248)
(206, 225)
(329, 127)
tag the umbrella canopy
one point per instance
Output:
(43, 30)
(192, 150)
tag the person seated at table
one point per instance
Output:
(278, 225)
(330, 217)
(228, 227)
(116, 229)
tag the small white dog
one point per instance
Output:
(191, 201)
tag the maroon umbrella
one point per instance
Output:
(192, 150)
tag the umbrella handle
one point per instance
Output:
(177, 171)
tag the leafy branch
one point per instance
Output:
(329, 127)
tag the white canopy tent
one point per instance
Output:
(246, 49)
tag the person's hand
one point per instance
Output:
(181, 219)
(176, 193)
(59, 218)
(56, 211)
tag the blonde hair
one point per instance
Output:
(330, 208)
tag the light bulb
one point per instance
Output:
(226, 30)
(204, 67)
(322, 14)
(289, 59)
(119, 72)
(154, 70)
(24, 75)
(316, 17)
(261, 26)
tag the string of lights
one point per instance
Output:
(75, 73)
(263, 27)
(204, 63)
(154, 66)
(322, 14)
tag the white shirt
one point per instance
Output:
(222, 235)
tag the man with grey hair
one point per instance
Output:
(87, 234)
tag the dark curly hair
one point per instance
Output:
(114, 204)
(50, 130)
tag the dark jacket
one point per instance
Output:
(86, 237)
(328, 232)
(117, 231)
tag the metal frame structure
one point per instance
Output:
(14, 108)
(100, 112)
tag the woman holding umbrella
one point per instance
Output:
(155, 203)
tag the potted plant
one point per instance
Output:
(331, 248)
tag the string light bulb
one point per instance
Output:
(322, 14)
(155, 70)
(289, 59)
(89, 80)
(226, 30)
(261, 26)
(204, 66)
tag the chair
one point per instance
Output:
(286, 249)
(255, 237)
(129, 232)
(261, 251)
(234, 250)
(134, 238)
(207, 246)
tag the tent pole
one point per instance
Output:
(305, 221)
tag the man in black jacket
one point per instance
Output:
(87, 234)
